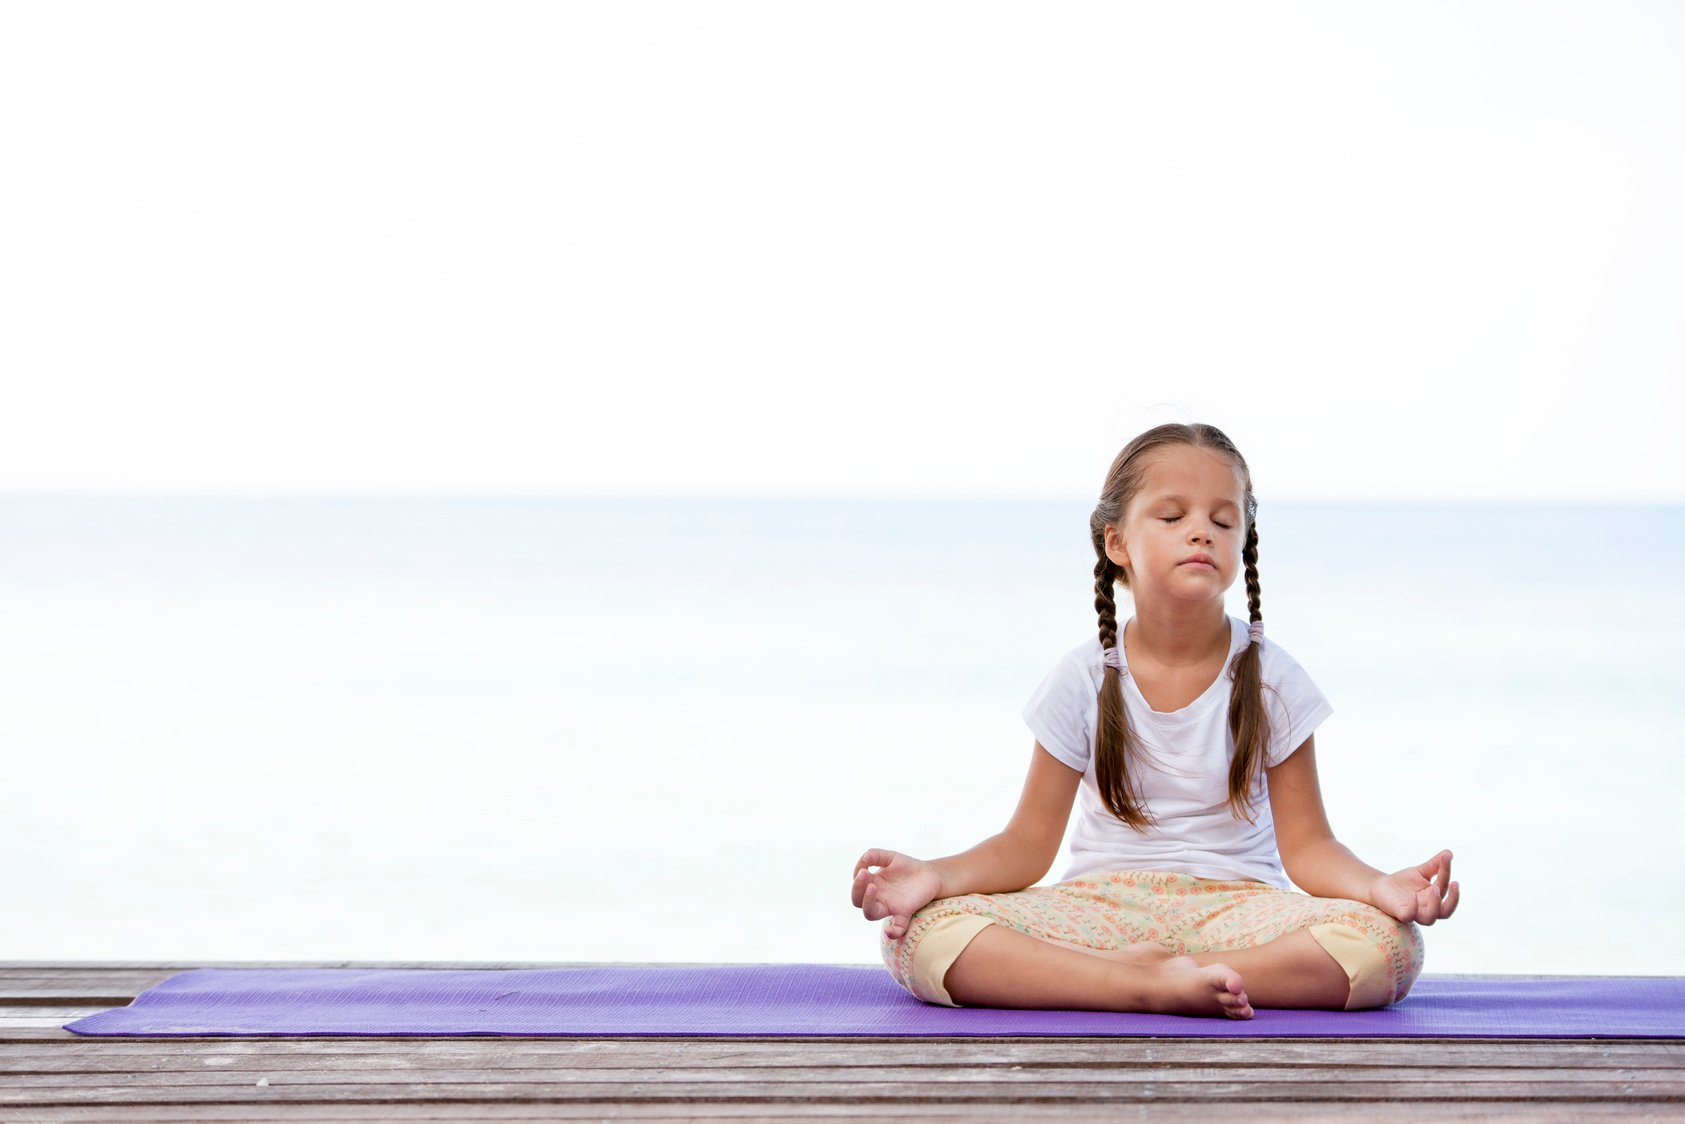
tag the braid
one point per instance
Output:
(1249, 721)
(1105, 601)
(1249, 555)
(1115, 742)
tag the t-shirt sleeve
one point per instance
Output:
(1296, 707)
(1062, 712)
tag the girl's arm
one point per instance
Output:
(1008, 861)
(1022, 854)
(1321, 865)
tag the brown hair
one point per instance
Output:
(1116, 745)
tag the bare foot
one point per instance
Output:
(1176, 985)
(1190, 988)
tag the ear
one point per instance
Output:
(1115, 549)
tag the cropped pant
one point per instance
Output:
(1109, 909)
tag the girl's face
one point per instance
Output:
(1182, 533)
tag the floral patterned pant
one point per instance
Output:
(1109, 909)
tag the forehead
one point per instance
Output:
(1192, 474)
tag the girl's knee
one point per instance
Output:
(1381, 956)
(935, 937)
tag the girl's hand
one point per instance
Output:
(1423, 894)
(902, 887)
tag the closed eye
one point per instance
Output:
(1173, 518)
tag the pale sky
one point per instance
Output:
(1398, 251)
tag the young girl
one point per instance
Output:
(1190, 736)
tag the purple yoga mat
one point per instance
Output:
(824, 999)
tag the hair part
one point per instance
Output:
(1117, 747)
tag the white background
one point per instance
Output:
(1421, 251)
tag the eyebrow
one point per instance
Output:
(1179, 499)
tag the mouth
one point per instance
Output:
(1199, 560)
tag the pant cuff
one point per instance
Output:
(1365, 965)
(937, 950)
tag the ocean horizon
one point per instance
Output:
(633, 729)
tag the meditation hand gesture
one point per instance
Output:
(1423, 894)
(900, 888)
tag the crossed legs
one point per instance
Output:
(1001, 967)
(1250, 944)
(1291, 971)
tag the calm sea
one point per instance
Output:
(546, 729)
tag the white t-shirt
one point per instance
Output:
(1183, 779)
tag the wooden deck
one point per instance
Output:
(49, 1074)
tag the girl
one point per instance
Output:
(1191, 737)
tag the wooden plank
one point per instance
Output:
(21, 1049)
(113, 984)
(110, 991)
(643, 1051)
(52, 969)
(917, 1086)
(182, 965)
(895, 1099)
(41, 1026)
(462, 1065)
(14, 1062)
(749, 1110)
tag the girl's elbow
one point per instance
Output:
(1034, 862)
(1299, 856)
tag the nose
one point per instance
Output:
(1199, 534)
